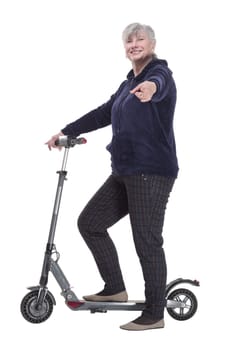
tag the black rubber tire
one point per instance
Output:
(29, 310)
(184, 295)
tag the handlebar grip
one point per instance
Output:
(69, 141)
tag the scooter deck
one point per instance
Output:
(131, 305)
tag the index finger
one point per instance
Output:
(137, 88)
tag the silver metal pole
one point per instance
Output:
(65, 157)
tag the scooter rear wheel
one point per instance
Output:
(190, 304)
(30, 310)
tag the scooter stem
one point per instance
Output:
(65, 157)
(62, 176)
(50, 244)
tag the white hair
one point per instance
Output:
(134, 28)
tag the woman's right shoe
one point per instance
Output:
(118, 297)
(132, 326)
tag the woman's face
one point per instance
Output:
(138, 47)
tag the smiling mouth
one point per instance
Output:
(135, 52)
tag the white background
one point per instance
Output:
(60, 59)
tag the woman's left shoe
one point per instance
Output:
(132, 326)
(99, 297)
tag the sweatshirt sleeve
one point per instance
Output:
(162, 77)
(96, 119)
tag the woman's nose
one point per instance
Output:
(134, 42)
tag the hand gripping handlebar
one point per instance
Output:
(69, 141)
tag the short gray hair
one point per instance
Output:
(134, 28)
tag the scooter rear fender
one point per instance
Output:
(174, 283)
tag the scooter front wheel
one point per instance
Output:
(30, 310)
(188, 301)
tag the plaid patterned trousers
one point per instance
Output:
(144, 198)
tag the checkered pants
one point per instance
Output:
(144, 198)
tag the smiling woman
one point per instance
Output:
(144, 168)
(139, 42)
(60, 59)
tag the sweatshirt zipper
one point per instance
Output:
(120, 106)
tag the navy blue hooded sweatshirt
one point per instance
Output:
(143, 139)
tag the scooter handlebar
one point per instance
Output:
(69, 141)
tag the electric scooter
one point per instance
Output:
(37, 305)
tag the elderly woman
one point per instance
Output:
(144, 168)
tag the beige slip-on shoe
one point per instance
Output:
(132, 326)
(118, 297)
